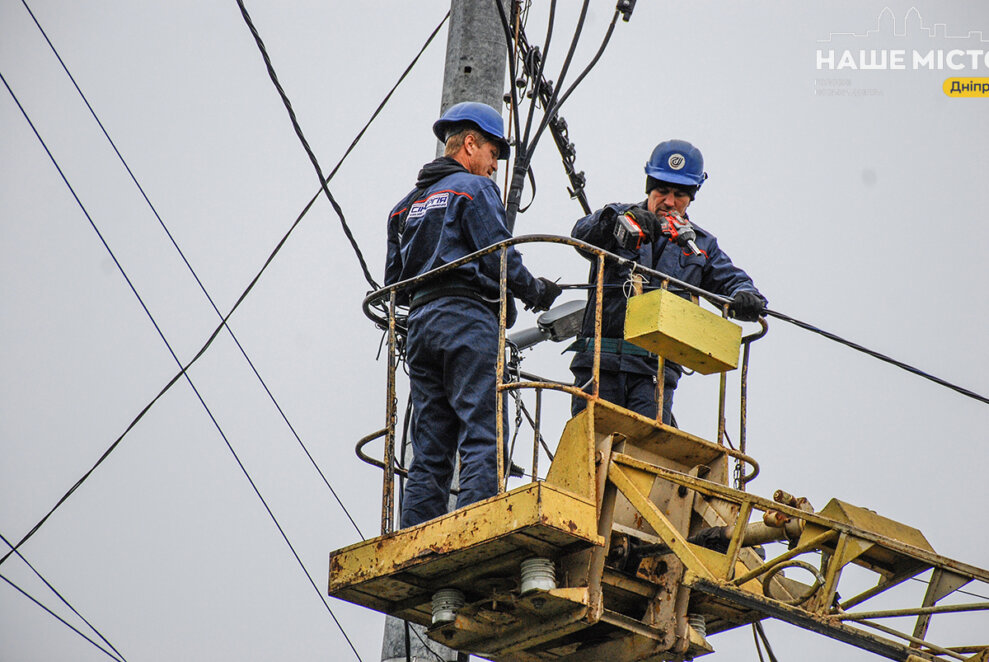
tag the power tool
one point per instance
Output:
(679, 230)
(630, 234)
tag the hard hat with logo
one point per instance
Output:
(677, 162)
(481, 115)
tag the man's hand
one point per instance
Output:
(647, 220)
(550, 291)
(746, 306)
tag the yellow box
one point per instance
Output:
(680, 330)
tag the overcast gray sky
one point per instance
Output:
(855, 199)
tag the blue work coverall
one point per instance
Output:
(452, 344)
(628, 374)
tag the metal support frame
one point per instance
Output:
(707, 573)
(391, 416)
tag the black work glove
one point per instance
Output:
(647, 220)
(550, 291)
(746, 306)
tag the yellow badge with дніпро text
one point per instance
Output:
(966, 87)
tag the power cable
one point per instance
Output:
(547, 115)
(64, 622)
(550, 113)
(551, 108)
(544, 92)
(64, 601)
(378, 110)
(525, 148)
(836, 338)
(206, 345)
(758, 646)
(199, 282)
(512, 71)
(523, 152)
(757, 627)
(974, 595)
(957, 590)
(305, 144)
(874, 354)
(119, 267)
(182, 373)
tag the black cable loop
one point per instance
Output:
(92, 627)
(199, 282)
(305, 143)
(59, 618)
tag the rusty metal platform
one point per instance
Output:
(397, 573)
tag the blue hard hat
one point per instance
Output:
(677, 162)
(481, 115)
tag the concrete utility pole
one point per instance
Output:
(476, 59)
(476, 55)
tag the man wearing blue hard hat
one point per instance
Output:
(454, 210)
(673, 246)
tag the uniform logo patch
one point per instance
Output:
(676, 161)
(432, 202)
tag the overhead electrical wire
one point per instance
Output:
(188, 380)
(882, 357)
(524, 147)
(836, 338)
(758, 634)
(583, 74)
(119, 267)
(209, 341)
(927, 582)
(64, 622)
(305, 144)
(523, 150)
(532, 62)
(64, 601)
(199, 282)
(552, 107)
(758, 631)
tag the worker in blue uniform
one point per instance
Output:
(674, 174)
(452, 344)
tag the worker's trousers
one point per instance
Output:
(629, 390)
(451, 354)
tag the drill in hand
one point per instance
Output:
(679, 230)
(631, 232)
